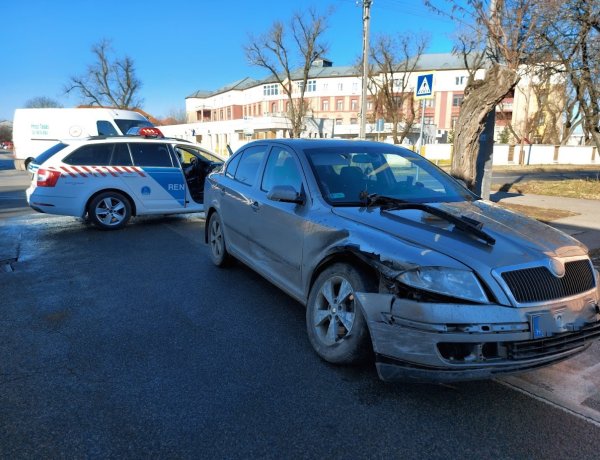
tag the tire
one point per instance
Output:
(336, 327)
(216, 242)
(110, 211)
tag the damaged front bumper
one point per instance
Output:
(440, 342)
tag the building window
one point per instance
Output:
(340, 87)
(428, 120)
(325, 105)
(273, 107)
(453, 122)
(271, 90)
(457, 100)
(311, 86)
(229, 113)
(460, 81)
(353, 121)
(354, 105)
(370, 105)
(354, 86)
(429, 103)
(339, 104)
(325, 86)
(338, 121)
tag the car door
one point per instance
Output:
(238, 193)
(196, 164)
(277, 228)
(160, 187)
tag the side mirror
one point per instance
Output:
(285, 194)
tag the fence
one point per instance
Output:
(526, 155)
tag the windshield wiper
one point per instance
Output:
(464, 223)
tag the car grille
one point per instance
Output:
(553, 345)
(538, 284)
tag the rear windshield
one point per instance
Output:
(126, 125)
(42, 157)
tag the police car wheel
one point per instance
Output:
(216, 241)
(110, 211)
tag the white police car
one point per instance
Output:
(110, 179)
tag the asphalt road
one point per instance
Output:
(132, 344)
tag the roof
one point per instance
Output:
(434, 61)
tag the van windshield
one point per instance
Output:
(126, 125)
(42, 157)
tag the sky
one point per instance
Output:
(178, 46)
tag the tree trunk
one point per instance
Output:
(481, 97)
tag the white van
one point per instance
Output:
(36, 130)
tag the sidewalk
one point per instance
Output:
(574, 384)
(585, 226)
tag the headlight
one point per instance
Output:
(462, 284)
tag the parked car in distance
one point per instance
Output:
(387, 252)
(110, 179)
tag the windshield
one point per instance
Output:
(42, 157)
(126, 125)
(345, 174)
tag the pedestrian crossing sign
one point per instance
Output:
(424, 89)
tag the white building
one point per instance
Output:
(253, 109)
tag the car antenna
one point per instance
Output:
(229, 150)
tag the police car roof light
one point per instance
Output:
(150, 131)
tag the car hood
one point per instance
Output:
(519, 239)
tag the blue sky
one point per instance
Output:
(178, 46)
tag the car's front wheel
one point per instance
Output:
(336, 327)
(110, 211)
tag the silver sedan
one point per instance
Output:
(391, 255)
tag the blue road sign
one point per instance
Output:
(424, 87)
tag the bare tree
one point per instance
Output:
(5, 133)
(571, 30)
(107, 82)
(42, 102)
(288, 53)
(394, 61)
(499, 38)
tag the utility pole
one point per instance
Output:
(365, 69)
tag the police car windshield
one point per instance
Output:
(126, 125)
(48, 153)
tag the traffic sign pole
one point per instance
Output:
(422, 122)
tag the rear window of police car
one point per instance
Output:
(48, 153)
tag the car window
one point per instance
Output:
(151, 154)
(346, 177)
(232, 165)
(105, 128)
(121, 156)
(247, 170)
(188, 152)
(91, 154)
(281, 169)
(49, 153)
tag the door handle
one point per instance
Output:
(255, 206)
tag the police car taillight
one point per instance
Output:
(47, 177)
(149, 131)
